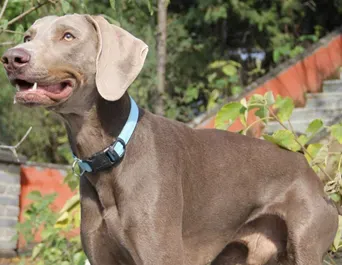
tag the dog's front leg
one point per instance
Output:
(95, 239)
(151, 236)
(160, 246)
(150, 232)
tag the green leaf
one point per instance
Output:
(259, 102)
(191, 93)
(336, 197)
(36, 250)
(321, 156)
(236, 90)
(228, 114)
(149, 6)
(4, 24)
(284, 108)
(20, 31)
(46, 233)
(112, 20)
(262, 112)
(243, 119)
(276, 55)
(269, 98)
(244, 115)
(212, 99)
(303, 139)
(308, 37)
(285, 139)
(211, 77)
(297, 50)
(235, 63)
(65, 6)
(256, 101)
(112, 4)
(79, 258)
(337, 239)
(71, 203)
(63, 218)
(217, 64)
(313, 150)
(314, 127)
(229, 70)
(336, 132)
(244, 102)
(221, 83)
(34, 195)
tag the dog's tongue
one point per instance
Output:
(57, 88)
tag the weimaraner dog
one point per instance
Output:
(171, 195)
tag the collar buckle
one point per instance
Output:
(100, 161)
(108, 157)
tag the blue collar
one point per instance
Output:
(113, 154)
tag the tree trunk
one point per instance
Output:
(161, 49)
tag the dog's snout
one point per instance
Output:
(15, 58)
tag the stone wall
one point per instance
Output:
(9, 201)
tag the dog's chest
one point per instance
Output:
(111, 232)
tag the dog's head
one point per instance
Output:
(64, 59)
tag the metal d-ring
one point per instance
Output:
(76, 160)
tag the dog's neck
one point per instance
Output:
(98, 127)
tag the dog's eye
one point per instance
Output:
(68, 36)
(27, 38)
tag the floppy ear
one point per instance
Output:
(120, 58)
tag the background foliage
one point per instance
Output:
(215, 47)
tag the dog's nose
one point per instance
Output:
(15, 58)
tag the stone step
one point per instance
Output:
(310, 114)
(298, 126)
(332, 86)
(326, 106)
(331, 100)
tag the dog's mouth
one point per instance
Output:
(36, 93)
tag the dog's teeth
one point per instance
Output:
(14, 101)
(34, 86)
(17, 87)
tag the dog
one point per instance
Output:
(166, 194)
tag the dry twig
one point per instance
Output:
(6, 43)
(3, 9)
(13, 148)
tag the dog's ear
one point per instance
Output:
(120, 58)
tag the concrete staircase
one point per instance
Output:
(326, 105)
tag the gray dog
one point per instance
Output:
(154, 191)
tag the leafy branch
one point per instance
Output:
(22, 15)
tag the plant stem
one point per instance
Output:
(6, 42)
(335, 153)
(12, 31)
(26, 13)
(253, 123)
(3, 9)
(339, 164)
(296, 139)
(331, 259)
